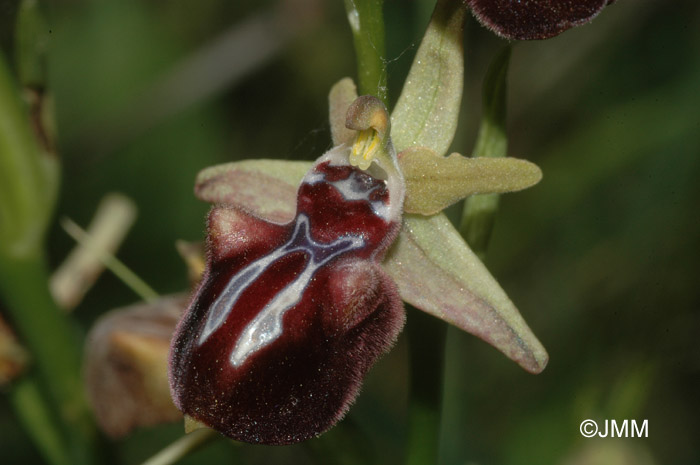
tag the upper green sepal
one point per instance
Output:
(427, 111)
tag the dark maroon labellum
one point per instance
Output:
(289, 318)
(534, 19)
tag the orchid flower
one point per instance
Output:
(308, 261)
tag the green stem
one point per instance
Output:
(476, 226)
(31, 43)
(426, 339)
(182, 447)
(367, 23)
(28, 188)
(478, 218)
(38, 420)
(52, 342)
(480, 210)
(26, 194)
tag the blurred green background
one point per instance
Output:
(601, 257)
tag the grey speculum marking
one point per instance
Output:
(267, 324)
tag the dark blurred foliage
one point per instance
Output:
(601, 257)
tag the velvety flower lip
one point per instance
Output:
(288, 318)
(534, 19)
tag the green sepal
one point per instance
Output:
(266, 188)
(434, 182)
(427, 111)
(437, 272)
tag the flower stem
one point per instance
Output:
(182, 447)
(476, 227)
(28, 183)
(426, 339)
(38, 420)
(53, 344)
(367, 23)
(480, 210)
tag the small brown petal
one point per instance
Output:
(126, 360)
(534, 19)
(340, 98)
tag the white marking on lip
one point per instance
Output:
(267, 324)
